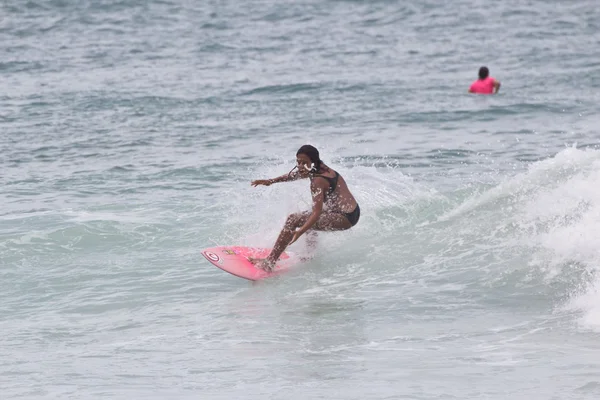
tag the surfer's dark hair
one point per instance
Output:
(484, 72)
(313, 154)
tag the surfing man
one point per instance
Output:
(333, 209)
(485, 84)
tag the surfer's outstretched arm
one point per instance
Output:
(292, 176)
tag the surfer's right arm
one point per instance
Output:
(283, 178)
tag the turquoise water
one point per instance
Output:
(130, 132)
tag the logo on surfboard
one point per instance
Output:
(212, 256)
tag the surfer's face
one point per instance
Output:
(304, 164)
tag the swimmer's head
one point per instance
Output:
(308, 160)
(484, 72)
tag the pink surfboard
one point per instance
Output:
(234, 259)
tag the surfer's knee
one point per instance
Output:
(294, 221)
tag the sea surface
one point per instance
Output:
(130, 131)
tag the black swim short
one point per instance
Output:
(353, 216)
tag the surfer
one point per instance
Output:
(485, 84)
(334, 208)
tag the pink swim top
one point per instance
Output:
(483, 86)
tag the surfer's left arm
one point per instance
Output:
(496, 86)
(317, 191)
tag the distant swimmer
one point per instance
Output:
(485, 84)
(333, 206)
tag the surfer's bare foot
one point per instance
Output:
(266, 265)
(262, 263)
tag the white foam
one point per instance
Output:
(540, 175)
(561, 220)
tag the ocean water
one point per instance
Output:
(130, 131)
